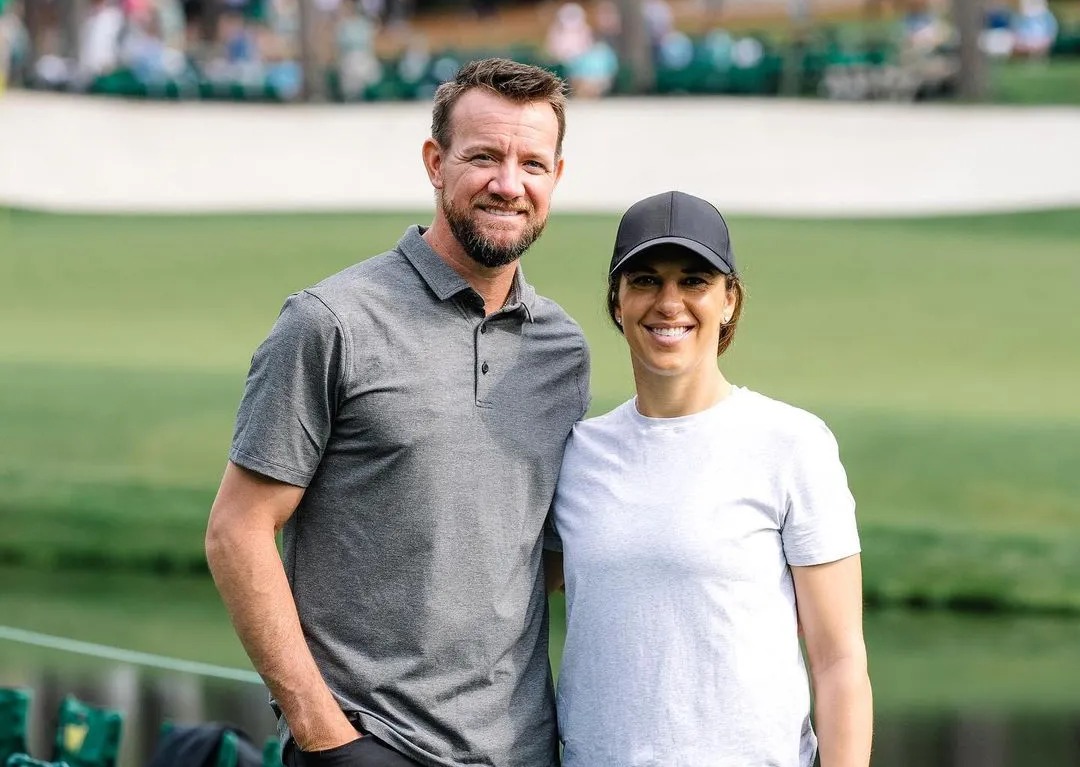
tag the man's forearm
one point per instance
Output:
(843, 714)
(249, 575)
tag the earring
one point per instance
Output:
(618, 320)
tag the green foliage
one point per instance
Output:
(941, 351)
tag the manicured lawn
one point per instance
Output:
(943, 352)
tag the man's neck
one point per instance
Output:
(493, 284)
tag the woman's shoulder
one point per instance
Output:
(780, 419)
(613, 420)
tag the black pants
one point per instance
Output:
(365, 752)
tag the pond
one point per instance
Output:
(950, 690)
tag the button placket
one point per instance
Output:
(483, 345)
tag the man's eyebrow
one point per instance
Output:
(480, 147)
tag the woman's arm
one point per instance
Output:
(829, 600)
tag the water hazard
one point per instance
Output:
(950, 691)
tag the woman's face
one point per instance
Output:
(671, 307)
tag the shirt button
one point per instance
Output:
(483, 328)
(484, 368)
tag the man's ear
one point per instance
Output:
(558, 169)
(433, 157)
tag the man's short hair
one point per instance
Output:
(520, 83)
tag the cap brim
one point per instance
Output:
(697, 248)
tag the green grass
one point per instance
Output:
(1056, 81)
(942, 352)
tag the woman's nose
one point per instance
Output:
(669, 301)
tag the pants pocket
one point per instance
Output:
(363, 752)
(345, 755)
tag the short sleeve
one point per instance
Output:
(290, 399)
(584, 375)
(819, 519)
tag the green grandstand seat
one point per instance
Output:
(14, 715)
(23, 760)
(272, 753)
(86, 735)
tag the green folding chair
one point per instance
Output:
(86, 735)
(14, 715)
(272, 753)
(22, 760)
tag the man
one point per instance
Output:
(404, 423)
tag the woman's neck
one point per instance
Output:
(661, 396)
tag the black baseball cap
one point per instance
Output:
(674, 218)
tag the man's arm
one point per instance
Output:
(242, 553)
(829, 600)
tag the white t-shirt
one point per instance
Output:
(677, 533)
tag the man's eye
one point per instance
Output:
(643, 280)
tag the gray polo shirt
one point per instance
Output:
(429, 439)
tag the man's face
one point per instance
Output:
(494, 181)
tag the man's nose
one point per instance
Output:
(507, 182)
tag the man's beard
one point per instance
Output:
(478, 247)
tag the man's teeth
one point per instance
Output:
(497, 212)
(669, 331)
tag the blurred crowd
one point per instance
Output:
(184, 43)
(253, 48)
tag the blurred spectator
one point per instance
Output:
(569, 35)
(608, 22)
(659, 22)
(14, 42)
(590, 64)
(169, 16)
(144, 52)
(358, 67)
(237, 39)
(99, 41)
(925, 59)
(415, 62)
(1034, 29)
(925, 29)
(374, 9)
(283, 18)
(996, 39)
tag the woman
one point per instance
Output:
(692, 520)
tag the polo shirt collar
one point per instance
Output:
(445, 282)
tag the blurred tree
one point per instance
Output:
(635, 47)
(314, 77)
(968, 16)
(799, 15)
(74, 13)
